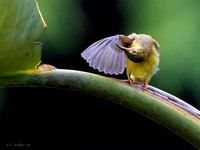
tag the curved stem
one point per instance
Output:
(153, 103)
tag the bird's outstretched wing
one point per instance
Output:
(105, 56)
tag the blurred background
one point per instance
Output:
(52, 118)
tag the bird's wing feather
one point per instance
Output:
(105, 56)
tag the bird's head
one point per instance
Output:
(139, 46)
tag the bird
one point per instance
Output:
(138, 53)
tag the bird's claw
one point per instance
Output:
(144, 85)
(131, 81)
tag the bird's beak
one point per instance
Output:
(132, 53)
(125, 49)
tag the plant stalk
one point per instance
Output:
(159, 106)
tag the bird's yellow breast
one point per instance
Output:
(143, 71)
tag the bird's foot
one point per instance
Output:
(144, 84)
(131, 81)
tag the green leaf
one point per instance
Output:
(21, 24)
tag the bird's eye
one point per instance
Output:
(133, 51)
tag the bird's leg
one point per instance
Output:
(131, 80)
(144, 84)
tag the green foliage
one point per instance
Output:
(20, 25)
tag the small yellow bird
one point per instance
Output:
(138, 53)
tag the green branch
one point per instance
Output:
(153, 103)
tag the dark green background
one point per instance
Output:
(50, 118)
(74, 25)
